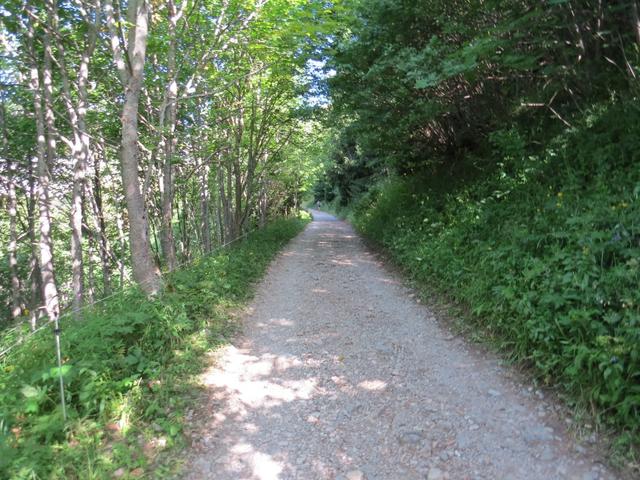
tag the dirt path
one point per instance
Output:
(340, 374)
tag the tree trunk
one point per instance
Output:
(635, 20)
(220, 207)
(34, 264)
(12, 205)
(45, 150)
(263, 205)
(91, 278)
(123, 248)
(170, 117)
(77, 191)
(186, 243)
(229, 223)
(100, 226)
(205, 220)
(145, 270)
(81, 151)
(237, 174)
(49, 118)
(77, 260)
(167, 242)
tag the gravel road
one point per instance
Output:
(341, 374)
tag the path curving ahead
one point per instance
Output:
(341, 374)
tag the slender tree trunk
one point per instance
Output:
(77, 260)
(81, 149)
(12, 205)
(49, 118)
(77, 191)
(221, 206)
(186, 244)
(44, 149)
(123, 248)
(237, 175)
(12, 210)
(205, 215)
(167, 241)
(229, 223)
(144, 267)
(100, 226)
(263, 205)
(635, 20)
(91, 278)
(34, 267)
(170, 117)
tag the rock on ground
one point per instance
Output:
(340, 374)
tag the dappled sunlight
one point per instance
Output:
(281, 322)
(343, 262)
(389, 281)
(325, 244)
(262, 465)
(373, 385)
(243, 379)
(297, 254)
(253, 387)
(283, 362)
(265, 467)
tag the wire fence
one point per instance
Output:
(57, 331)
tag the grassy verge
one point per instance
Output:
(129, 369)
(544, 252)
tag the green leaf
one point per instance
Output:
(57, 371)
(30, 392)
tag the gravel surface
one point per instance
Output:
(342, 374)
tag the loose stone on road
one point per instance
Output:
(341, 374)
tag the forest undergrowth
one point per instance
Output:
(130, 370)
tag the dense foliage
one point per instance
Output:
(94, 177)
(129, 369)
(421, 81)
(492, 148)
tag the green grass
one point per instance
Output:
(544, 252)
(130, 369)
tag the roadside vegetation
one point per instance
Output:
(492, 150)
(130, 370)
